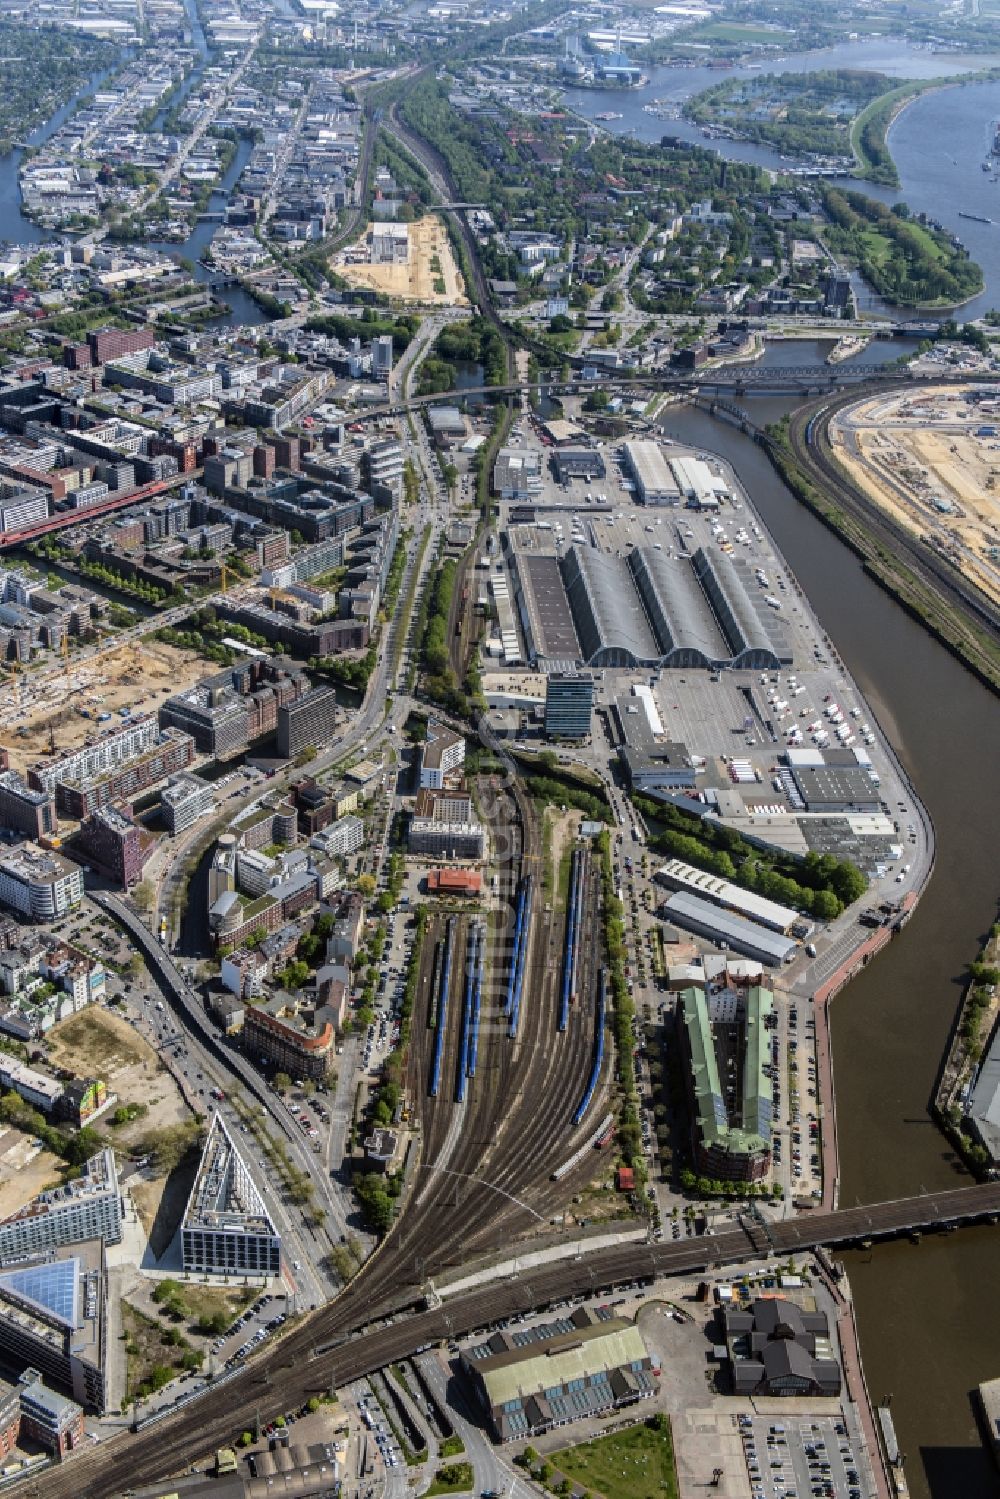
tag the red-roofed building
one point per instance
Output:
(625, 1179)
(455, 882)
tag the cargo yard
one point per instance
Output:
(931, 461)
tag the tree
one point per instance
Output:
(365, 884)
(825, 905)
(376, 1205)
(143, 894)
(282, 1082)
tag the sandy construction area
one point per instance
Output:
(25, 1170)
(430, 261)
(134, 675)
(934, 465)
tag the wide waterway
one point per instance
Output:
(928, 1317)
(929, 1321)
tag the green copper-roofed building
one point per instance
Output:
(724, 1034)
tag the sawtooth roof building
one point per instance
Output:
(610, 621)
(531, 1379)
(651, 609)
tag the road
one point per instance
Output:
(303, 1363)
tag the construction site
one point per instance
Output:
(424, 270)
(932, 462)
(57, 709)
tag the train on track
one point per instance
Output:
(477, 1001)
(470, 1015)
(442, 1009)
(572, 948)
(519, 953)
(595, 1071)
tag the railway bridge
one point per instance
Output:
(324, 1350)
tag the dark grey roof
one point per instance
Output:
(682, 620)
(753, 641)
(609, 616)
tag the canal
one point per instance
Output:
(928, 1319)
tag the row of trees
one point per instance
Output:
(819, 884)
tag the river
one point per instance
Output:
(928, 1319)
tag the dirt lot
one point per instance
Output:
(136, 676)
(414, 281)
(922, 462)
(97, 1043)
(24, 1170)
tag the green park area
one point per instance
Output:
(636, 1463)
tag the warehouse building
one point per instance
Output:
(517, 473)
(754, 644)
(650, 471)
(836, 788)
(651, 761)
(531, 1379)
(390, 244)
(701, 489)
(723, 1034)
(680, 876)
(226, 1228)
(578, 463)
(696, 914)
(610, 621)
(983, 1108)
(685, 627)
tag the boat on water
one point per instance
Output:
(977, 218)
(609, 114)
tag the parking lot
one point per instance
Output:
(803, 1457)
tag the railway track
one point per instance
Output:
(950, 606)
(481, 1178)
(297, 1368)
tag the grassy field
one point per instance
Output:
(637, 1463)
(879, 246)
(750, 36)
